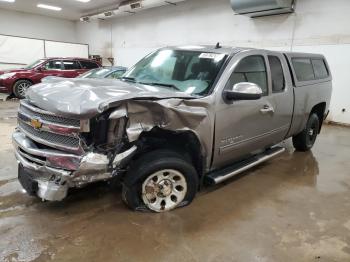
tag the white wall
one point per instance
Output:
(315, 22)
(317, 26)
(99, 36)
(36, 26)
(24, 46)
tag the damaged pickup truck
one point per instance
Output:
(180, 118)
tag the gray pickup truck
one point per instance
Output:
(181, 118)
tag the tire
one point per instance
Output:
(305, 140)
(159, 181)
(20, 88)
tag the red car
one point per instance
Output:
(17, 81)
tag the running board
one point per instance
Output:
(217, 177)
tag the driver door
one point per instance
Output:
(243, 127)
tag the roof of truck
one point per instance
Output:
(211, 49)
(234, 50)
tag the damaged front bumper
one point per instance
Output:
(49, 173)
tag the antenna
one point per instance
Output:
(217, 45)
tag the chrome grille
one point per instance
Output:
(49, 138)
(47, 116)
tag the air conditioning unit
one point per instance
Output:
(136, 5)
(257, 8)
(109, 13)
(85, 19)
(129, 8)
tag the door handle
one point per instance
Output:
(267, 109)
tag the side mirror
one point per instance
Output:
(40, 69)
(244, 91)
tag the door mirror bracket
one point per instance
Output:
(243, 91)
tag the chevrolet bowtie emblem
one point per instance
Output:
(36, 123)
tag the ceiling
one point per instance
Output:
(71, 9)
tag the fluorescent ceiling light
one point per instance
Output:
(9, 1)
(51, 7)
(84, 1)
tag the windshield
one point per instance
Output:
(35, 64)
(192, 72)
(96, 73)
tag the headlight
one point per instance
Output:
(7, 75)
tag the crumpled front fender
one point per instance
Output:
(168, 114)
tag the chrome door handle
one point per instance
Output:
(267, 109)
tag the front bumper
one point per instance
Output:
(55, 171)
(4, 89)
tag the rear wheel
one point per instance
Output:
(160, 181)
(306, 139)
(20, 88)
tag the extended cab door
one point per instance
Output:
(244, 127)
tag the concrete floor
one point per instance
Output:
(293, 208)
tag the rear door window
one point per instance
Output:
(88, 64)
(278, 82)
(303, 69)
(71, 65)
(320, 68)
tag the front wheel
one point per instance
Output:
(306, 138)
(20, 88)
(160, 181)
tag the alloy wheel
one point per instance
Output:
(164, 190)
(22, 89)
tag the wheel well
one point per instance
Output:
(185, 143)
(319, 110)
(24, 79)
(20, 80)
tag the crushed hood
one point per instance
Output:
(84, 98)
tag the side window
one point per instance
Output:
(278, 82)
(303, 69)
(320, 68)
(71, 65)
(250, 69)
(88, 64)
(53, 65)
(116, 74)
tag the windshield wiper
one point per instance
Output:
(129, 79)
(163, 84)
